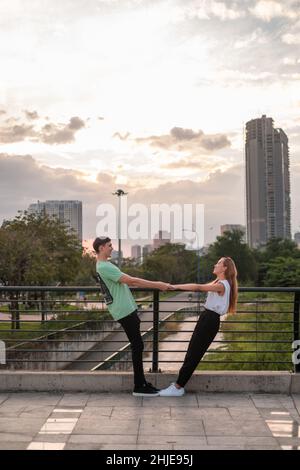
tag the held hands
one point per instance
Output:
(185, 287)
(164, 286)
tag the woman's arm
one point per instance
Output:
(211, 287)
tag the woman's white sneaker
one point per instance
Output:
(172, 391)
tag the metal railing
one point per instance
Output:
(66, 327)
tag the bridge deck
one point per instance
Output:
(115, 421)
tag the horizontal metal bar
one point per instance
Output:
(256, 331)
(265, 301)
(88, 320)
(134, 289)
(161, 351)
(142, 331)
(59, 321)
(101, 300)
(39, 312)
(254, 322)
(144, 340)
(52, 301)
(86, 310)
(271, 322)
(146, 361)
(74, 312)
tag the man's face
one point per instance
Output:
(107, 249)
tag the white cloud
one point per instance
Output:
(256, 37)
(290, 61)
(266, 10)
(291, 38)
(222, 11)
(208, 9)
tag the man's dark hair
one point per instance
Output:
(100, 241)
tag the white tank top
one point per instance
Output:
(219, 303)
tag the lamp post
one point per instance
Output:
(119, 193)
(198, 256)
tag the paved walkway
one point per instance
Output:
(115, 421)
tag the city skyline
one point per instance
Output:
(152, 97)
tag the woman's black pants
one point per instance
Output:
(204, 333)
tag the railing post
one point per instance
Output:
(155, 330)
(43, 307)
(296, 324)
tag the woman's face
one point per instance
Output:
(219, 267)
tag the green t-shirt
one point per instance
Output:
(123, 302)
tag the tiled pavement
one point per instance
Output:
(115, 421)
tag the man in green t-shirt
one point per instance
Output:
(123, 308)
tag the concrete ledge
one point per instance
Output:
(110, 381)
(295, 385)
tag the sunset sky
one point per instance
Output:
(150, 96)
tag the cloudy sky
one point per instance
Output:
(148, 95)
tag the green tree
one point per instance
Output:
(283, 272)
(86, 270)
(276, 247)
(37, 250)
(232, 244)
(130, 266)
(171, 263)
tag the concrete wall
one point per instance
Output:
(107, 381)
(56, 350)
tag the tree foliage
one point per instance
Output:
(170, 263)
(37, 250)
(232, 244)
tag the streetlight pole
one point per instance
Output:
(119, 193)
(198, 258)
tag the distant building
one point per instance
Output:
(115, 255)
(136, 253)
(267, 182)
(161, 238)
(146, 250)
(68, 212)
(297, 238)
(231, 227)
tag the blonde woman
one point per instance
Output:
(221, 298)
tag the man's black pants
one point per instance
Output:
(131, 325)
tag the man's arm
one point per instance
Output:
(138, 282)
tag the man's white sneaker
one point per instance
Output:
(172, 391)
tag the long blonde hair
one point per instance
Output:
(231, 276)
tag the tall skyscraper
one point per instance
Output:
(161, 238)
(136, 252)
(147, 249)
(267, 182)
(68, 212)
